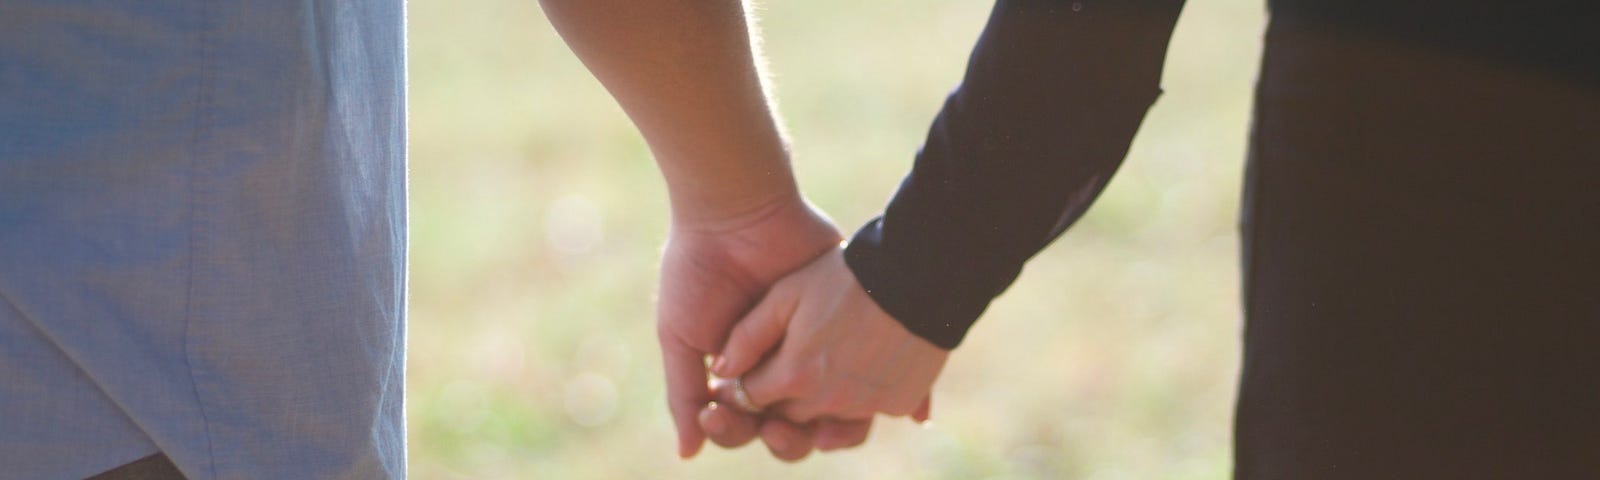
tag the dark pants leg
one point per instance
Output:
(1422, 245)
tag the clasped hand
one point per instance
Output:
(771, 299)
(818, 356)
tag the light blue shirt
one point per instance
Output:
(202, 237)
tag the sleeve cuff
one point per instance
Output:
(938, 299)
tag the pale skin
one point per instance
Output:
(826, 350)
(686, 73)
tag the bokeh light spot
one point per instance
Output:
(572, 225)
(591, 399)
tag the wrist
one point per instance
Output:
(708, 214)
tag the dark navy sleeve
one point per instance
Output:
(1053, 94)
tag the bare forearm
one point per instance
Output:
(685, 71)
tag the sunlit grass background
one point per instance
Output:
(537, 216)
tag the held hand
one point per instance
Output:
(838, 355)
(728, 426)
(711, 273)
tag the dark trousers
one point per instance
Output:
(1422, 265)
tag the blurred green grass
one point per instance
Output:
(537, 217)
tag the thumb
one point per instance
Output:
(759, 332)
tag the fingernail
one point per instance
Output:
(720, 366)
